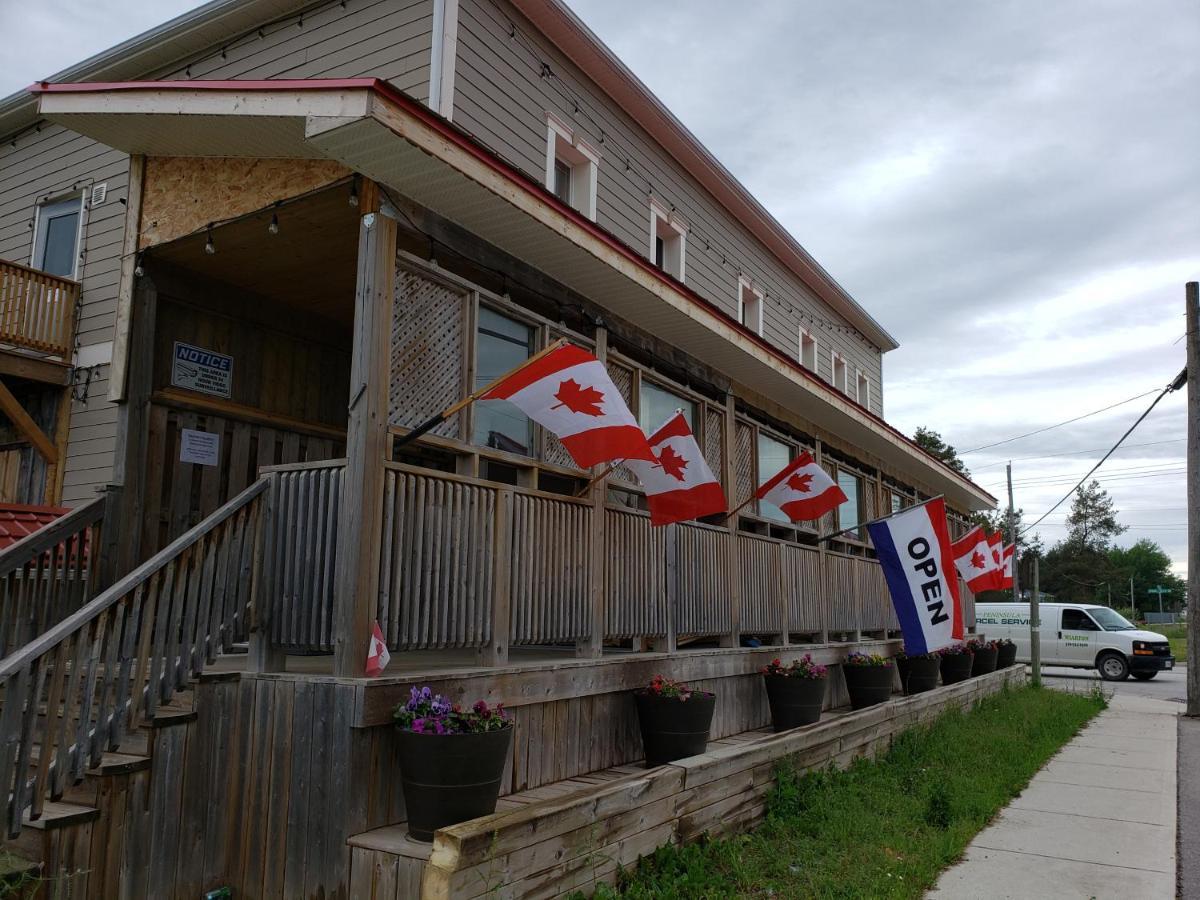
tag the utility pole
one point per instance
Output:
(1035, 628)
(1193, 496)
(1012, 534)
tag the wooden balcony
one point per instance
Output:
(37, 310)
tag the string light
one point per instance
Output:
(273, 228)
(209, 247)
(354, 192)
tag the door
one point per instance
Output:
(1078, 636)
(56, 240)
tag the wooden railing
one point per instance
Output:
(37, 310)
(73, 692)
(47, 575)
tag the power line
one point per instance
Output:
(1057, 425)
(1179, 382)
(1075, 453)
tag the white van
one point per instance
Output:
(1079, 635)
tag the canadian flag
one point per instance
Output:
(377, 652)
(803, 490)
(568, 391)
(1005, 581)
(973, 559)
(680, 485)
(996, 546)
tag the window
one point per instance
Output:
(571, 167)
(501, 344)
(895, 501)
(656, 405)
(838, 371)
(773, 455)
(848, 511)
(1077, 620)
(750, 306)
(56, 237)
(667, 239)
(863, 390)
(807, 351)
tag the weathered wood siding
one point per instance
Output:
(501, 97)
(388, 39)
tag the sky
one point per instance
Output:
(1011, 188)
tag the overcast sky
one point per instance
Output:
(1011, 188)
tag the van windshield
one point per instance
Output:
(1109, 620)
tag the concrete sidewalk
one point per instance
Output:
(1097, 821)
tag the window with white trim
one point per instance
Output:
(750, 305)
(56, 236)
(657, 404)
(838, 372)
(668, 240)
(862, 388)
(571, 167)
(807, 350)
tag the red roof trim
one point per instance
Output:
(469, 144)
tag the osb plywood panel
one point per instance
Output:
(183, 194)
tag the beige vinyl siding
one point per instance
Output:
(500, 98)
(388, 39)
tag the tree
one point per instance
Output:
(1076, 573)
(931, 442)
(1092, 522)
(1148, 565)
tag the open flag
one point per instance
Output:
(377, 652)
(914, 550)
(568, 391)
(680, 485)
(996, 546)
(1004, 581)
(973, 559)
(803, 490)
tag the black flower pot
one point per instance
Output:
(1006, 656)
(985, 661)
(673, 728)
(450, 778)
(956, 668)
(918, 674)
(868, 685)
(794, 701)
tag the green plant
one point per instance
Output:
(867, 659)
(797, 668)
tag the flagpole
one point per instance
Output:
(588, 487)
(441, 417)
(830, 536)
(733, 512)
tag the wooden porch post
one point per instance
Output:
(593, 646)
(356, 584)
(733, 564)
(822, 565)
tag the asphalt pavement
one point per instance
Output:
(1163, 686)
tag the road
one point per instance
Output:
(1164, 686)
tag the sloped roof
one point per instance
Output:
(19, 520)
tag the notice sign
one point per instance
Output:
(200, 447)
(202, 370)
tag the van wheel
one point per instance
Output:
(1113, 667)
(1144, 676)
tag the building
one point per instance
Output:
(244, 252)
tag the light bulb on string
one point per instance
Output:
(209, 247)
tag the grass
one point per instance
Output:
(883, 828)
(1177, 635)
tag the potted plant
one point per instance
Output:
(1007, 653)
(956, 663)
(674, 720)
(796, 692)
(985, 656)
(451, 760)
(868, 679)
(919, 672)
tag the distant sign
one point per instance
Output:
(202, 370)
(200, 447)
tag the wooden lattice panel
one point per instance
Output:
(828, 522)
(714, 442)
(622, 377)
(427, 352)
(743, 463)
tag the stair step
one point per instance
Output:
(111, 763)
(60, 814)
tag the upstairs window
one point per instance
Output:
(501, 344)
(750, 305)
(863, 387)
(571, 167)
(838, 372)
(668, 237)
(807, 350)
(56, 237)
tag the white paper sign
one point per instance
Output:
(201, 370)
(200, 447)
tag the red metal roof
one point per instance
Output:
(19, 520)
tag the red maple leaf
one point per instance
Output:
(977, 560)
(801, 484)
(578, 399)
(672, 463)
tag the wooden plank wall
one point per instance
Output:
(25, 476)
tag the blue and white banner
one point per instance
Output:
(914, 549)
